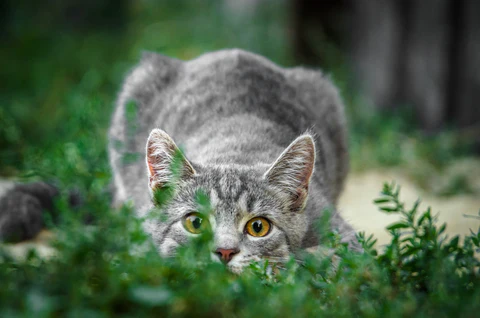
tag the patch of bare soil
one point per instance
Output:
(356, 204)
(40, 244)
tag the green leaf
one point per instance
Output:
(454, 242)
(382, 200)
(426, 216)
(442, 228)
(397, 226)
(414, 208)
(203, 202)
(388, 209)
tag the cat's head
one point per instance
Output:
(257, 212)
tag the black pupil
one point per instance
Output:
(197, 222)
(257, 226)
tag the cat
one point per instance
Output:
(266, 144)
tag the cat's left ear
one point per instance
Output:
(292, 171)
(165, 162)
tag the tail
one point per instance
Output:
(22, 208)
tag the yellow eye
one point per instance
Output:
(194, 223)
(258, 227)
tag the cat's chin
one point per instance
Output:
(271, 269)
(235, 269)
(233, 266)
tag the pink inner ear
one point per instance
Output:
(161, 150)
(150, 168)
(151, 160)
(153, 177)
(157, 145)
(306, 171)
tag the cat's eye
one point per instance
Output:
(258, 227)
(194, 223)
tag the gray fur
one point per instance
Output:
(22, 207)
(234, 114)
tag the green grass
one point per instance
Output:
(112, 269)
(57, 97)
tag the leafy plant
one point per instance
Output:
(419, 248)
(112, 269)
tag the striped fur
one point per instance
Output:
(238, 118)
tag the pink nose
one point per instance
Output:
(226, 255)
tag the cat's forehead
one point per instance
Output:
(229, 184)
(233, 193)
(230, 189)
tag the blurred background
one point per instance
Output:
(408, 71)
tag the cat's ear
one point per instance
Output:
(292, 171)
(165, 162)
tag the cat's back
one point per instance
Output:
(219, 86)
(230, 93)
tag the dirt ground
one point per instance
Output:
(356, 205)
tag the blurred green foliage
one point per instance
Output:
(112, 269)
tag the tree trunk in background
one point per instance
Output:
(427, 52)
(423, 54)
(316, 23)
(466, 103)
(376, 51)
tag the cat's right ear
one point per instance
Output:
(165, 162)
(292, 171)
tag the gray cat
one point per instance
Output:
(266, 144)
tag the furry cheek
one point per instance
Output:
(275, 244)
(172, 238)
(168, 247)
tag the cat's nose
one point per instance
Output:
(226, 255)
